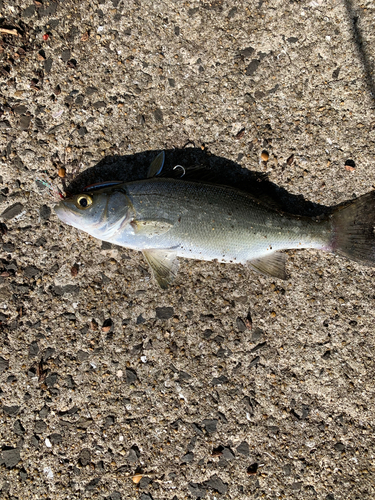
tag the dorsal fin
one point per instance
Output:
(156, 166)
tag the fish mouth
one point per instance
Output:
(63, 212)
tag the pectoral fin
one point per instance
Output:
(271, 265)
(156, 166)
(164, 266)
(151, 228)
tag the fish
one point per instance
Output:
(168, 218)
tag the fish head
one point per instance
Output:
(99, 213)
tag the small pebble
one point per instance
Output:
(137, 478)
(350, 165)
(62, 172)
(290, 160)
(74, 270)
(45, 36)
(264, 156)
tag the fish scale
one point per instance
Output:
(214, 222)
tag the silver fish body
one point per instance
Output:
(169, 218)
(207, 222)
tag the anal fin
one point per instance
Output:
(271, 265)
(164, 265)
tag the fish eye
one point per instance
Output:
(84, 201)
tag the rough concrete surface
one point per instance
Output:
(229, 384)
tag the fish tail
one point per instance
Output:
(354, 230)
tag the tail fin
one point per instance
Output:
(354, 230)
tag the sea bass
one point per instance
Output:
(168, 218)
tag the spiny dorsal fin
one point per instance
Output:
(156, 166)
(271, 265)
(163, 264)
(151, 228)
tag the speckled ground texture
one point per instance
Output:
(229, 384)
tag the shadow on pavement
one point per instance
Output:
(361, 48)
(214, 169)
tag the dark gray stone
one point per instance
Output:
(131, 456)
(45, 212)
(11, 410)
(56, 438)
(23, 474)
(296, 486)
(243, 448)
(339, 447)
(183, 376)
(20, 110)
(8, 247)
(252, 67)
(18, 428)
(158, 115)
(82, 131)
(24, 122)
(29, 11)
(40, 427)
(217, 484)
(144, 482)
(12, 211)
(140, 320)
(4, 364)
(115, 495)
(82, 355)
(131, 376)
(91, 90)
(99, 104)
(84, 457)
(93, 484)
(110, 420)
(65, 55)
(49, 352)
(48, 65)
(145, 496)
(34, 441)
(33, 348)
(164, 312)
(254, 361)
(258, 346)
(240, 324)
(210, 425)
(11, 457)
(44, 411)
(51, 379)
(189, 457)
(197, 490)
(220, 380)
(69, 382)
(247, 52)
(228, 453)
(31, 271)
